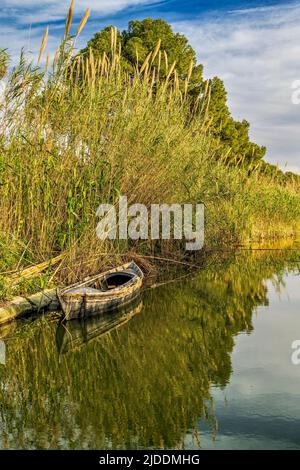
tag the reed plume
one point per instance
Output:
(43, 45)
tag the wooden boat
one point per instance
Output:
(102, 293)
(72, 336)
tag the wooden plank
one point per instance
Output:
(22, 306)
(32, 271)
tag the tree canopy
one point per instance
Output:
(142, 37)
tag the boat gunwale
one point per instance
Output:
(134, 282)
(121, 291)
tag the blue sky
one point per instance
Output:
(254, 46)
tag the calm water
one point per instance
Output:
(201, 363)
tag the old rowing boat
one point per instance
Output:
(102, 293)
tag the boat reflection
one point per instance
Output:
(74, 334)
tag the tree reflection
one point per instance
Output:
(144, 384)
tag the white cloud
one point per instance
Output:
(23, 23)
(28, 39)
(35, 11)
(257, 54)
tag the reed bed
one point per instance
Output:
(81, 131)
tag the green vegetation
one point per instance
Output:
(141, 39)
(3, 63)
(103, 123)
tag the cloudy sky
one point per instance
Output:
(254, 46)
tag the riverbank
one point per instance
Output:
(27, 294)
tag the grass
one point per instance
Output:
(85, 131)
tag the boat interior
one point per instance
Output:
(113, 280)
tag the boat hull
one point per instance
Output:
(92, 302)
(82, 308)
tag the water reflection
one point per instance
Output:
(76, 333)
(149, 383)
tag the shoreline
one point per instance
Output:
(46, 299)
